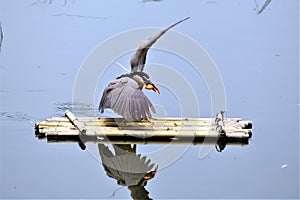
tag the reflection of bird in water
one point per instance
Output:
(128, 168)
(124, 95)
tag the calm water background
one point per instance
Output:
(258, 59)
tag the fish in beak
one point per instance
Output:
(151, 86)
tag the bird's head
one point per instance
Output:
(150, 86)
(144, 79)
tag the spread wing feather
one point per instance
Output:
(125, 98)
(138, 60)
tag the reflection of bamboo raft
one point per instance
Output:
(158, 130)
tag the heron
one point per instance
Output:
(124, 95)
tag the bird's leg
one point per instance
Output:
(124, 121)
(149, 118)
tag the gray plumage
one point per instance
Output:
(129, 168)
(138, 60)
(124, 95)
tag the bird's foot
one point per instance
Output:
(148, 119)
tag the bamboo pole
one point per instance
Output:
(79, 125)
(137, 133)
(156, 123)
(46, 129)
(148, 142)
(86, 119)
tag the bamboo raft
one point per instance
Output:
(231, 131)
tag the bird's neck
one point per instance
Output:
(134, 76)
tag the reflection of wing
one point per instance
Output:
(124, 97)
(139, 58)
(128, 168)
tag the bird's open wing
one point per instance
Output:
(138, 60)
(124, 97)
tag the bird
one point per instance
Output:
(124, 95)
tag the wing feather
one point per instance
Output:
(124, 97)
(138, 60)
(105, 102)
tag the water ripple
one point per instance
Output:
(79, 109)
(15, 116)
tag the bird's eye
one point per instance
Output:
(147, 82)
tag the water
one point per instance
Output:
(257, 56)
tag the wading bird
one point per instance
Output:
(124, 95)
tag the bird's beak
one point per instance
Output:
(151, 86)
